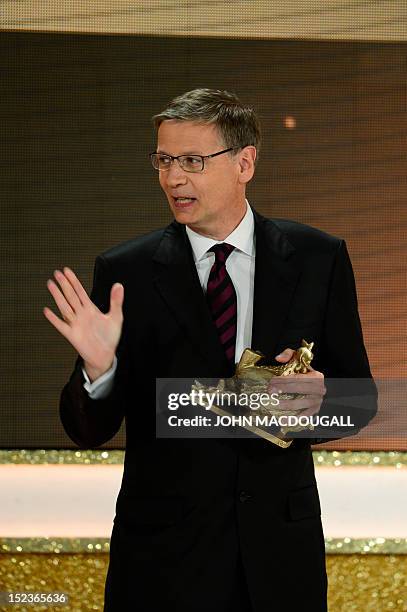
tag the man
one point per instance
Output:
(219, 524)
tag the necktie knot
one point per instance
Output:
(222, 252)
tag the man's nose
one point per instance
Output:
(176, 175)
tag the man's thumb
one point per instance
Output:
(285, 355)
(116, 298)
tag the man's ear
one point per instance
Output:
(247, 157)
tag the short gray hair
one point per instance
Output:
(237, 123)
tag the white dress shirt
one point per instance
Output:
(240, 265)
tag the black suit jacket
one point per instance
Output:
(188, 510)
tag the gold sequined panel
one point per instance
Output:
(81, 577)
(322, 458)
(343, 546)
(358, 583)
(373, 583)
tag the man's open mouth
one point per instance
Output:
(186, 201)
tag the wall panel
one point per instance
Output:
(76, 179)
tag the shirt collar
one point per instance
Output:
(241, 238)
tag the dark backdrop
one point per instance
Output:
(76, 179)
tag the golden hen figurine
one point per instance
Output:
(250, 378)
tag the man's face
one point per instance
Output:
(211, 201)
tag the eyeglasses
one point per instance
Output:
(189, 163)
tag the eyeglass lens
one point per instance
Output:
(190, 163)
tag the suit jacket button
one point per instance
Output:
(244, 496)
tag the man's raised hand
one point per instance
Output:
(93, 334)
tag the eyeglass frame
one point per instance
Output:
(203, 157)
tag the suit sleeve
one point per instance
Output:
(343, 347)
(92, 422)
(343, 354)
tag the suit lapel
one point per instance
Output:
(276, 277)
(178, 283)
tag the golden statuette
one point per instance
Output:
(299, 364)
(250, 379)
(257, 377)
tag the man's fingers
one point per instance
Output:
(304, 406)
(59, 325)
(311, 387)
(68, 291)
(313, 409)
(77, 285)
(310, 383)
(64, 307)
(285, 355)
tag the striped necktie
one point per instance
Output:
(221, 297)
